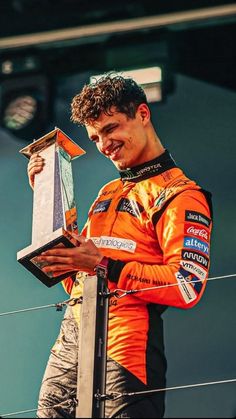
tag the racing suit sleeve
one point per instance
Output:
(183, 232)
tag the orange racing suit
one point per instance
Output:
(154, 224)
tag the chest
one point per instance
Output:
(121, 219)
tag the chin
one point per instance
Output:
(120, 165)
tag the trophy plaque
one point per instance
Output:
(54, 209)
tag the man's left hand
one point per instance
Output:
(84, 257)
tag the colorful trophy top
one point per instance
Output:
(54, 136)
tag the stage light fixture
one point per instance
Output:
(25, 98)
(150, 78)
(20, 112)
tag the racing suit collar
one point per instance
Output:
(149, 169)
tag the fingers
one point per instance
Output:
(57, 268)
(54, 264)
(56, 252)
(84, 256)
(55, 259)
(59, 245)
(35, 166)
(79, 238)
(54, 272)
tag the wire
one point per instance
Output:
(120, 293)
(27, 309)
(221, 277)
(58, 306)
(18, 413)
(66, 403)
(117, 293)
(116, 396)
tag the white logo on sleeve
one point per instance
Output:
(194, 269)
(115, 243)
(185, 288)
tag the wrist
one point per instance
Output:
(101, 268)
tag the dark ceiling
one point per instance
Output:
(29, 16)
(203, 49)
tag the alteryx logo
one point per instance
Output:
(193, 243)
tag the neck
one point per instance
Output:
(155, 147)
(153, 167)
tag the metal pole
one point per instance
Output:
(92, 349)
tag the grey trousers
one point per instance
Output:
(58, 390)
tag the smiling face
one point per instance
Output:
(125, 141)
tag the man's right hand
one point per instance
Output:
(35, 166)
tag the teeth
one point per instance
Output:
(110, 152)
(115, 149)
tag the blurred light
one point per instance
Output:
(7, 67)
(19, 64)
(150, 78)
(144, 75)
(20, 112)
(25, 105)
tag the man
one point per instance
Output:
(151, 228)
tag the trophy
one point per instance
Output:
(54, 208)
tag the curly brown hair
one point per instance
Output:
(111, 90)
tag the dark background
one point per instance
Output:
(195, 121)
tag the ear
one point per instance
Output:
(144, 113)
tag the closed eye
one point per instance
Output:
(111, 128)
(107, 129)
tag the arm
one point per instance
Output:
(184, 259)
(171, 233)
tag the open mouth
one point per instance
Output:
(113, 154)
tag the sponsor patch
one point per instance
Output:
(115, 243)
(195, 257)
(195, 282)
(130, 206)
(197, 217)
(166, 193)
(109, 192)
(102, 206)
(194, 269)
(196, 244)
(185, 288)
(193, 230)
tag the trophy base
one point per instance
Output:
(26, 256)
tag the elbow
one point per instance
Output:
(186, 304)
